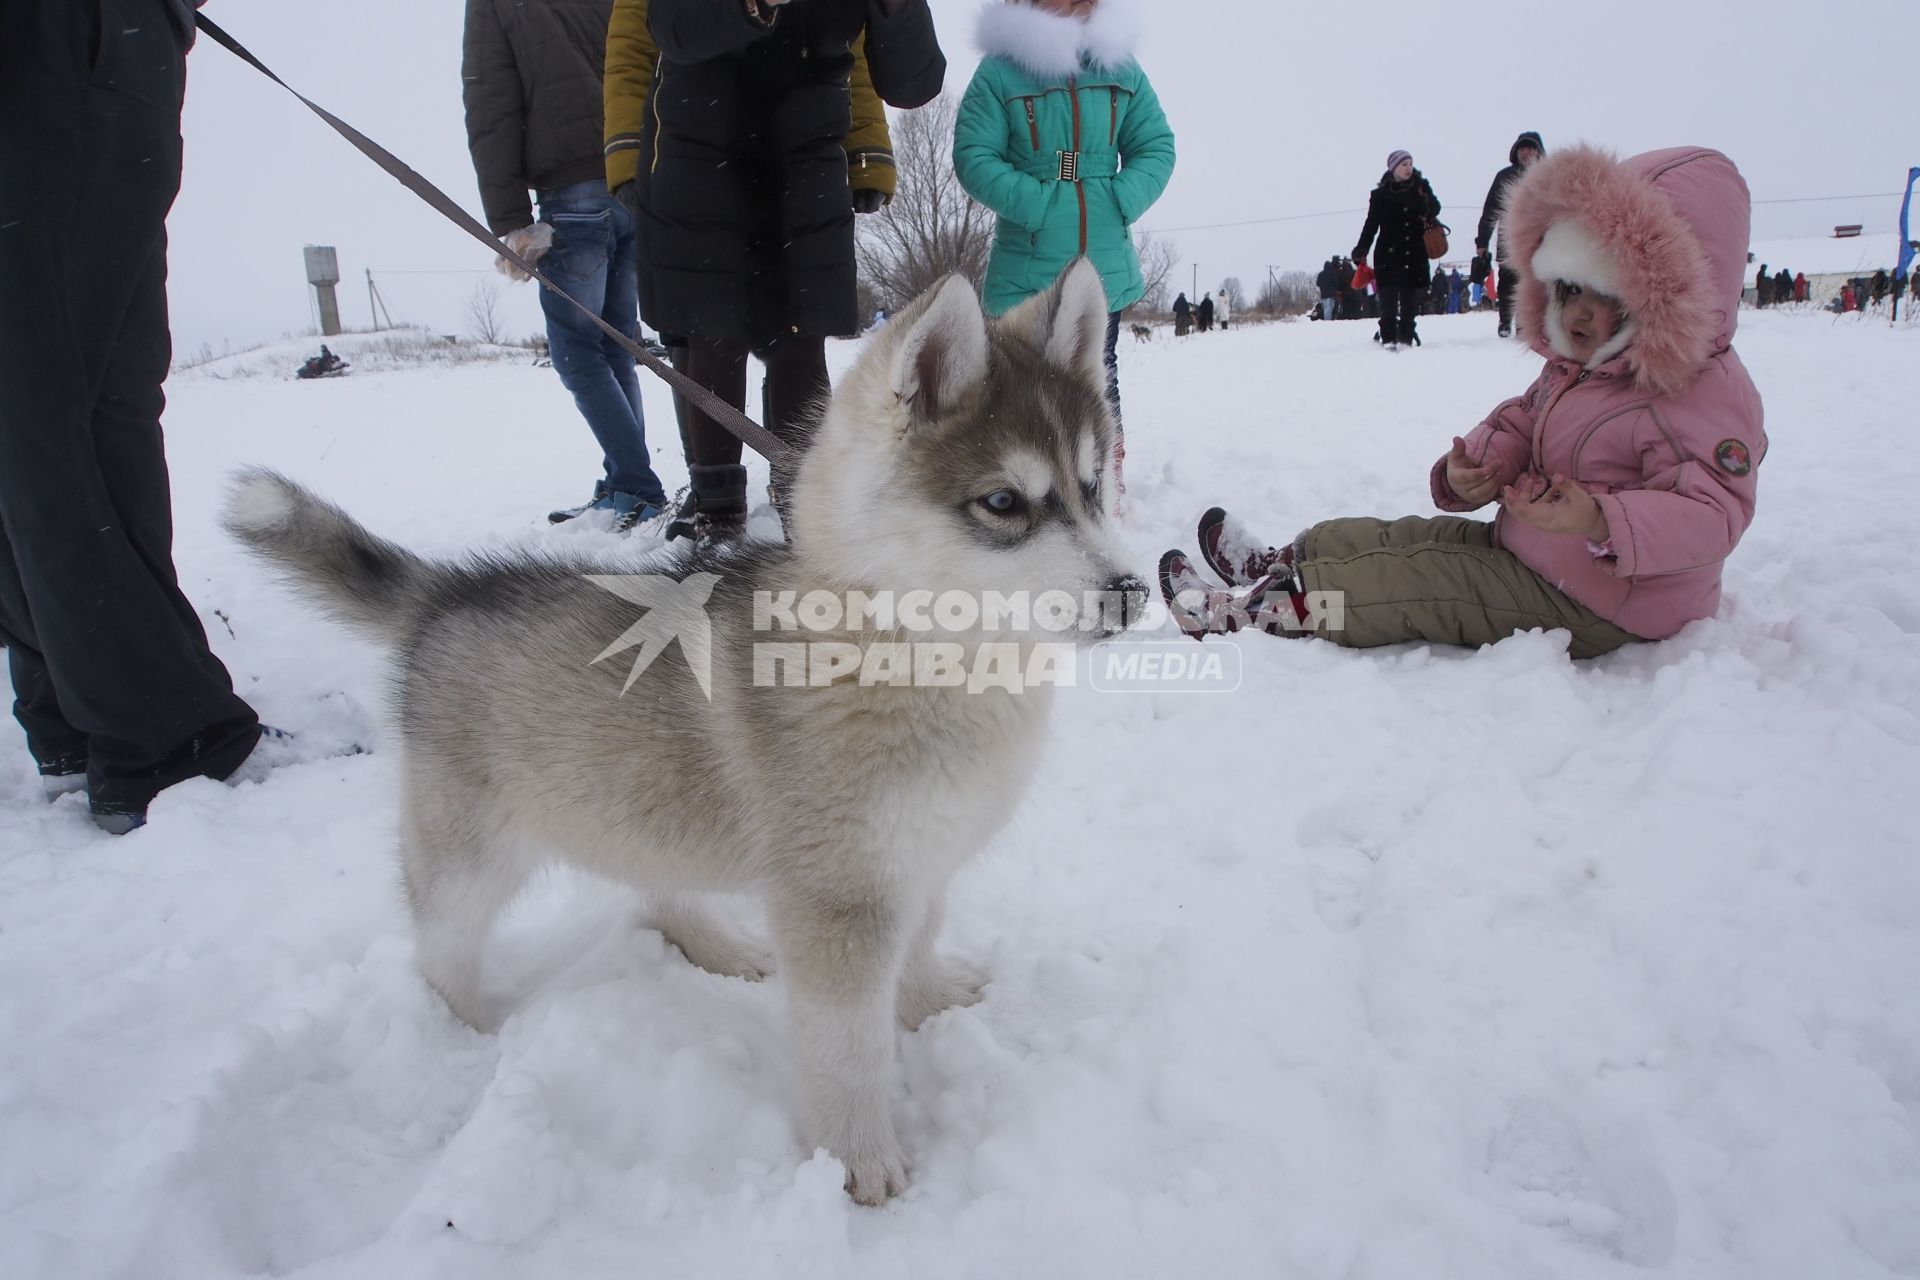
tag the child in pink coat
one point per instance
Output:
(1624, 475)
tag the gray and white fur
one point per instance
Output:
(847, 807)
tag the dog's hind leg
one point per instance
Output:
(457, 883)
(685, 922)
(842, 963)
(929, 984)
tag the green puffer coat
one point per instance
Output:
(1051, 88)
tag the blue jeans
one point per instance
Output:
(593, 258)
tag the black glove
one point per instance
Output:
(628, 194)
(868, 200)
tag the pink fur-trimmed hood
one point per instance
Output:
(1669, 230)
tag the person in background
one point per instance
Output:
(1223, 308)
(1062, 136)
(1799, 286)
(1526, 149)
(113, 679)
(1762, 287)
(1456, 288)
(745, 211)
(1205, 313)
(530, 73)
(631, 57)
(1398, 211)
(1782, 287)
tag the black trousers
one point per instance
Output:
(1509, 287)
(1399, 307)
(796, 386)
(110, 665)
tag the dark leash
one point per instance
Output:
(750, 432)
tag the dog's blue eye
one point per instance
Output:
(1004, 502)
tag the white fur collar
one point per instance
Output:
(1049, 45)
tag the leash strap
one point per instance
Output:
(750, 432)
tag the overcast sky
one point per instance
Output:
(1281, 110)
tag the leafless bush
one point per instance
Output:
(1157, 260)
(1290, 293)
(483, 311)
(932, 227)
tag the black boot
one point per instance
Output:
(716, 506)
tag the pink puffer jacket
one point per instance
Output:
(1666, 433)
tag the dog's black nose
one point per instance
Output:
(1131, 592)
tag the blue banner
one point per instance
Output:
(1906, 228)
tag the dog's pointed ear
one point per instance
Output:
(1068, 323)
(944, 352)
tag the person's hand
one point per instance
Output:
(1471, 484)
(1359, 258)
(531, 243)
(1562, 507)
(868, 200)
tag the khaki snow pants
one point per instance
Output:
(1438, 579)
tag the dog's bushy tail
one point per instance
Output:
(363, 580)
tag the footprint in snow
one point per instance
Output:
(1601, 1191)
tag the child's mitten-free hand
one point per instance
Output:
(1472, 485)
(1563, 508)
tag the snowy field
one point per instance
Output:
(1397, 965)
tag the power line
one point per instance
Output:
(1348, 213)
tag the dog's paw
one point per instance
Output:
(873, 1178)
(952, 986)
(726, 955)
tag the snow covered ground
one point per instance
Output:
(1395, 964)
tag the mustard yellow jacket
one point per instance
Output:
(631, 56)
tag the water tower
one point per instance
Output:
(323, 272)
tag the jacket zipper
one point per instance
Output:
(659, 127)
(1113, 114)
(1540, 424)
(1033, 125)
(1079, 190)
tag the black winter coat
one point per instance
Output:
(1497, 193)
(746, 218)
(530, 75)
(1399, 212)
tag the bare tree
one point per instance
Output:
(1157, 261)
(932, 227)
(1291, 293)
(483, 310)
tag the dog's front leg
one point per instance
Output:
(929, 984)
(842, 962)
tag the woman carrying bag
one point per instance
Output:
(1399, 211)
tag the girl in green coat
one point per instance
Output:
(1062, 136)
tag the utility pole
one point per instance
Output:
(323, 272)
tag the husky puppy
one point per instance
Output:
(960, 453)
(1142, 332)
